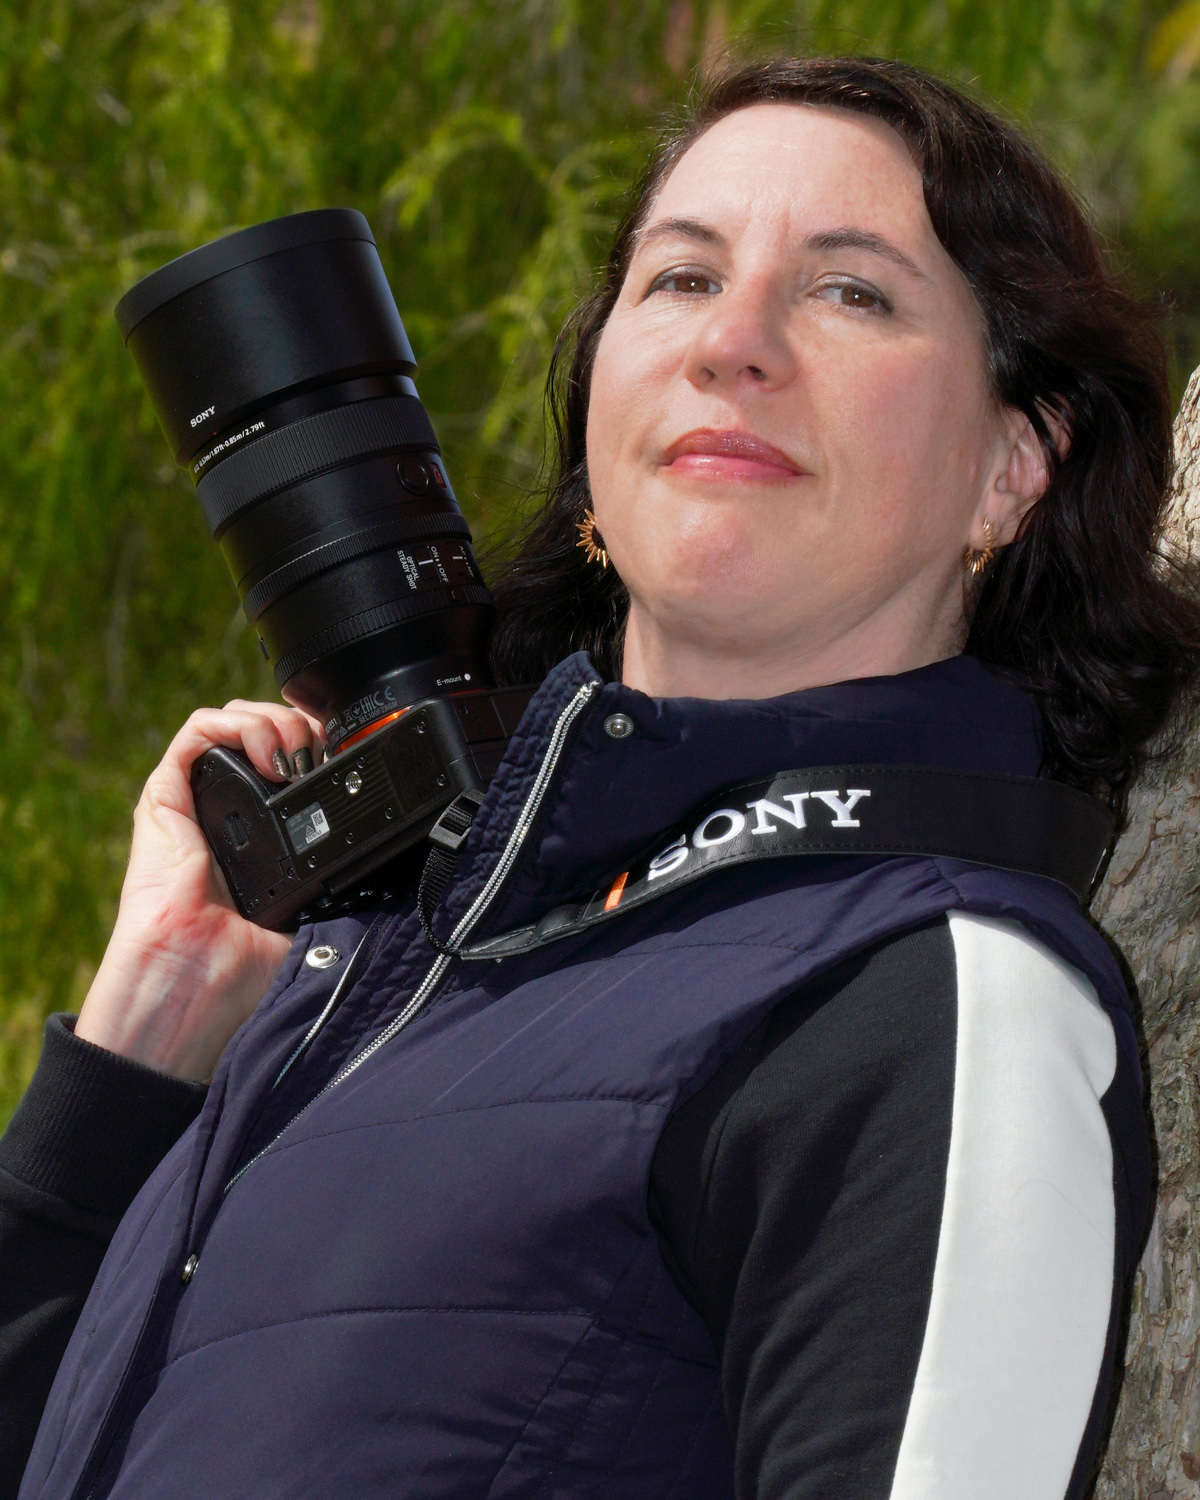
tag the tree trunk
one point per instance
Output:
(1150, 906)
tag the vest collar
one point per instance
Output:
(609, 798)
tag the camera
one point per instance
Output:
(281, 374)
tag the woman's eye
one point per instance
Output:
(854, 294)
(694, 283)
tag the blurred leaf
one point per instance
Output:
(411, 189)
(1175, 43)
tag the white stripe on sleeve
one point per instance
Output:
(1023, 1279)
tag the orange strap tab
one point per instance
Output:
(614, 895)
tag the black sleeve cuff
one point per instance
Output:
(93, 1125)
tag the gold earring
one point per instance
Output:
(977, 563)
(595, 548)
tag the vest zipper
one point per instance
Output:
(467, 922)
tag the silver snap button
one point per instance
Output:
(354, 783)
(619, 726)
(189, 1268)
(321, 957)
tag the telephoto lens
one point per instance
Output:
(280, 371)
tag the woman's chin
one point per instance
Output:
(713, 613)
(719, 565)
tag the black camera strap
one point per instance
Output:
(445, 840)
(1026, 824)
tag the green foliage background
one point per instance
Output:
(488, 142)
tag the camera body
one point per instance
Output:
(280, 372)
(318, 845)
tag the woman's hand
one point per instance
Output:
(183, 970)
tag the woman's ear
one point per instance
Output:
(1022, 475)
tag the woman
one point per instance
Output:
(814, 1177)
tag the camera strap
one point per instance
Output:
(445, 840)
(1026, 824)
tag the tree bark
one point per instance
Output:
(1149, 904)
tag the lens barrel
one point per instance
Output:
(280, 371)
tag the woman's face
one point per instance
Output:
(791, 436)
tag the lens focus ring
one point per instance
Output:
(345, 549)
(371, 621)
(298, 451)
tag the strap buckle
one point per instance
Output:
(455, 821)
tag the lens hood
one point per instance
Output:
(239, 325)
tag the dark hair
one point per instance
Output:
(1082, 604)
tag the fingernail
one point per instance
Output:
(280, 761)
(302, 761)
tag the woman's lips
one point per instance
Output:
(710, 454)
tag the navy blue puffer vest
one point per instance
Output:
(422, 1259)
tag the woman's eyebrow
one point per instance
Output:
(849, 238)
(687, 229)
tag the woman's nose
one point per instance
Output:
(743, 340)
